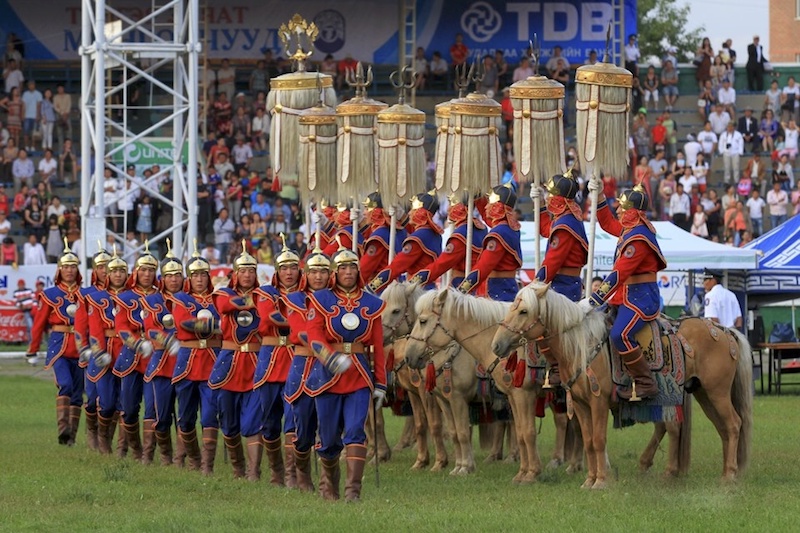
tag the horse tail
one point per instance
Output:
(685, 436)
(742, 398)
(486, 433)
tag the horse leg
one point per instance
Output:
(573, 449)
(673, 429)
(584, 415)
(447, 414)
(525, 423)
(560, 420)
(718, 408)
(649, 453)
(383, 448)
(464, 436)
(599, 424)
(434, 417)
(498, 434)
(407, 437)
(513, 447)
(420, 431)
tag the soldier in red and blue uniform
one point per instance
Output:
(455, 252)
(197, 330)
(421, 248)
(501, 256)
(98, 283)
(232, 375)
(132, 361)
(326, 224)
(631, 285)
(343, 231)
(106, 345)
(343, 327)
(376, 248)
(567, 250)
(317, 272)
(57, 308)
(159, 397)
(272, 368)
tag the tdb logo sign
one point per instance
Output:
(671, 281)
(481, 22)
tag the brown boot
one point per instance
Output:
(236, 453)
(180, 452)
(62, 419)
(302, 465)
(74, 423)
(122, 437)
(552, 377)
(104, 434)
(290, 476)
(356, 458)
(644, 385)
(209, 452)
(92, 438)
(275, 458)
(191, 448)
(255, 451)
(329, 479)
(164, 440)
(134, 439)
(148, 441)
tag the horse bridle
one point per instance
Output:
(521, 332)
(429, 351)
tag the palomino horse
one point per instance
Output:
(447, 316)
(718, 372)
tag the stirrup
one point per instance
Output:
(546, 384)
(634, 397)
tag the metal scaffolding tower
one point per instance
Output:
(119, 56)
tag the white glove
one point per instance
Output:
(595, 184)
(145, 349)
(339, 363)
(379, 395)
(85, 355)
(536, 192)
(102, 359)
(353, 214)
(585, 305)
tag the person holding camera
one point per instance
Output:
(790, 100)
(731, 147)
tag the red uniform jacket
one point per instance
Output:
(565, 250)
(240, 379)
(200, 360)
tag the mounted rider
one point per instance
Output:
(376, 247)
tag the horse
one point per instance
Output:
(447, 316)
(718, 373)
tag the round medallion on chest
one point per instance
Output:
(350, 321)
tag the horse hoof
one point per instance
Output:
(670, 474)
(454, 472)
(511, 459)
(438, 466)
(400, 446)
(528, 478)
(574, 469)
(554, 463)
(644, 467)
(492, 458)
(516, 480)
(588, 484)
(600, 484)
(463, 471)
(385, 456)
(419, 465)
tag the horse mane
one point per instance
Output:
(398, 291)
(459, 306)
(578, 334)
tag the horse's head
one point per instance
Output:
(525, 321)
(430, 334)
(398, 315)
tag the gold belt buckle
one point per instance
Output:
(347, 347)
(203, 343)
(72, 329)
(243, 348)
(282, 340)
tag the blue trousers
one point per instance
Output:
(239, 413)
(341, 421)
(90, 389)
(108, 394)
(502, 289)
(131, 393)
(274, 409)
(69, 379)
(569, 286)
(625, 327)
(193, 396)
(162, 397)
(304, 413)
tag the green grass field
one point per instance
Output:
(47, 487)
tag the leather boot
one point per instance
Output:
(255, 450)
(104, 434)
(644, 384)
(122, 437)
(290, 476)
(180, 451)
(62, 419)
(191, 448)
(134, 439)
(302, 464)
(236, 454)
(92, 436)
(74, 423)
(275, 458)
(329, 479)
(209, 452)
(148, 441)
(164, 440)
(553, 380)
(356, 458)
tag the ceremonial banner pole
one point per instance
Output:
(602, 103)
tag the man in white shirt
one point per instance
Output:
(790, 100)
(719, 119)
(755, 204)
(726, 97)
(523, 71)
(210, 254)
(242, 154)
(32, 99)
(708, 140)
(33, 252)
(778, 201)
(5, 225)
(632, 55)
(691, 149)
(48, 166)
(720, 304)
(731, 147)
(13, 76)
(552, 64)
(680, 207)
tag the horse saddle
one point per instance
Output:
(664, 350)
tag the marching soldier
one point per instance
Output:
(501, 256)
(197, 329)
(274, 360)
(420, 248)
(376, 247)
(57, 308)
(159, 397)
(631, 285)
(132, 361)
(567, 249)
(455, 252)
(99, 282)
(317, 275)
(105, 343)
(343, 325)
(232, 374)
(343, 231)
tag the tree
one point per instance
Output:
(664, 23)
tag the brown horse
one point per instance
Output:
(447, 316)
(718, 373)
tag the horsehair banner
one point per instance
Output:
(245, 29)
